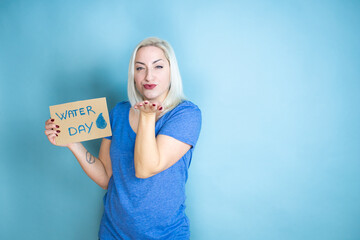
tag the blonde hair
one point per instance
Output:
(175, 94)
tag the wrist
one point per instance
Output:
(72, 146)
(147, 115)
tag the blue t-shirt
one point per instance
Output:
(151, 208)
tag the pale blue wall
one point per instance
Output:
(278, 84)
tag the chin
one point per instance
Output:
(150, 97)
(153, 95)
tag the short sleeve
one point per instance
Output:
(183, 125)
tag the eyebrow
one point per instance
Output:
(152, 63)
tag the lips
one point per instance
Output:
(149, 86)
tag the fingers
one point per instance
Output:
(51, 135)
(149, 107)
(50, 124)
(51, 130)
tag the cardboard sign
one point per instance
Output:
(82, 120)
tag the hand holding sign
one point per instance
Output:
(78, 121)
(51, 131)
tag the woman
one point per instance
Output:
(144, 164)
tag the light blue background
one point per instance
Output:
(278, 84)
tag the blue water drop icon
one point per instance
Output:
(100, 122)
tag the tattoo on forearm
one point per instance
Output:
(90, 158)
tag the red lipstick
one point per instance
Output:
(149, 86)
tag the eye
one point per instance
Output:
(139, 68)
(159, 67)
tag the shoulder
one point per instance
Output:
(183, 123)
(186, 107)
(184, 111)
(188, 104)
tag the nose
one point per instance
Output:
(149, 75)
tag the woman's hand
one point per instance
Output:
(52, 131)
(149, 108)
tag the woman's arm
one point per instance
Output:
(98, 169)
(154, 154)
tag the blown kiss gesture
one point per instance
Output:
(149, 108)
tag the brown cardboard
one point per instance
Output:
(81, 121)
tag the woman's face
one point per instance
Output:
(152, 73)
